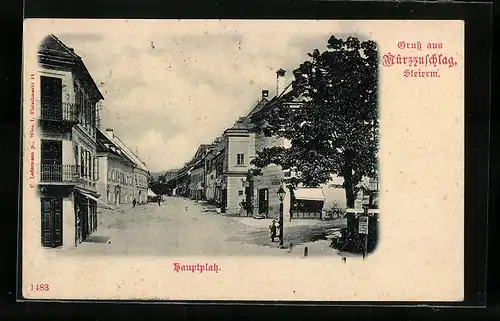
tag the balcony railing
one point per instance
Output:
(50, 173)
(63, 112)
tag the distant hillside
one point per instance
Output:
(170, 172)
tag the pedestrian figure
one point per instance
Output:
(159, 201)
(134, 202)
(344, 259)
(273, 229)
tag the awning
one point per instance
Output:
(151, 193)
(309, 194)
(90, 196)
(94, 198)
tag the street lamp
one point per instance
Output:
(281, 196)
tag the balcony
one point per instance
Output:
(64, 175)
(60, 112)
(68, 174)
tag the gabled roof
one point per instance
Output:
(105, 144)
(52, 48)
(51, 45)
(258, 107)
(201, 151)
(286, 96)
(126, 151)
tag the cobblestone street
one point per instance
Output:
(183, 227)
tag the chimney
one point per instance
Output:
(265, 93)
(280, 81)
(137, 151)
(110, 133)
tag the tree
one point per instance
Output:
(335, 129)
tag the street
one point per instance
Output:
(182, 227)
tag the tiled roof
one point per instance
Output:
(52, 45)
(259, 106)
(103, 140)
(243, 125)
(286, 95)
(126, 152)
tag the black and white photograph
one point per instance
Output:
(226, 140)
(178, 176)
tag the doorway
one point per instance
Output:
(117, 195)
(249, 199)
(223, 200)
(51, 221)
(264, 201)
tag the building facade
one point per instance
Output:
(65, 98)
(212, 177)
(123, 177)
(197, 182)
(239, 150)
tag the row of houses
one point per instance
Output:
(79, 166)
(220, 172)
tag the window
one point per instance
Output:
(51, 97)
(287, 173)
(240, 159)
(82, 107)
(82, 162)
(240, 193)
(96, 168)
(89, 164)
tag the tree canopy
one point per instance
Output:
(335, 129)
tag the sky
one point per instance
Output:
(170, 86)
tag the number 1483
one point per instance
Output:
(40, 287)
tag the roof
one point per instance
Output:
(128, 153)
(51, 46)
(286, 95)
(309, 194)
(258, 107)
(242, 125)
(105, 144)
(201, 151)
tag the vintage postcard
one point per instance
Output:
(243, 160)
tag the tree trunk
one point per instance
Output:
(349, 191)
(348, 182)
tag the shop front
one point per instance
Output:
(307, 203)
(86, 215)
